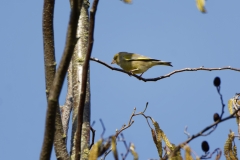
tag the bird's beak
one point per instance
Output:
(113, 61)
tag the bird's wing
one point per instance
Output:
(137, 57)
(143, 59)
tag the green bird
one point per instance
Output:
(136, 63)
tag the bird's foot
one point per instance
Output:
(130, 73)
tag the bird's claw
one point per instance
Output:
(130, 73)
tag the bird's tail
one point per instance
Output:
(164, 63)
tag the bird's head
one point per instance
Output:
(115, 59)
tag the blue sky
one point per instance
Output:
(170, 31)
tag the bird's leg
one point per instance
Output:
(132, 71)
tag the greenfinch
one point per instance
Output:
(135, 63)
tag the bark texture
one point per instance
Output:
(57, 83)
(77, 64)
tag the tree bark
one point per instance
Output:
(77, 64)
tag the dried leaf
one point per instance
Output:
(114, 148)
(127, 1)
(167, 142)
(235, 150)
(134, 153)
(158, 142)
(177, 154)
(188, 155)
(201, 5)
(230, 106)
(104, 148)
(228, 150)
(161, 135)
(154, 136)
(94, 152)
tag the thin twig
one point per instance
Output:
(218, 150)
(221, 98)
(145, 107)
(93, 136)
(223, 105)
(124, 141)
(84, 79)
(126, 146)
(126, 154)
(106, 153)
(203, 131)
(186, 132)
(103, 127)
(126, 126)
(92, 123)
(146, 117)
(213, 129)
(167, 75)
(130, 122)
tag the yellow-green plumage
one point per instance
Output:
(136, 63)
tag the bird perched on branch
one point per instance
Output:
(135, 63)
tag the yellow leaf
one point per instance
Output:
(201, 5)
(127, 1)
(94, 152)
(188, 151)
(230, 107)
(158, 142)
(114, 148)
(104, 148)
(134, 153)
(229, 152)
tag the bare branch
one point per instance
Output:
(223, 105)
(124, 141)
(84, 78)
(145, 107)
(67, 107)
(126, 126)
(57, 84)
(93, 136)
(203, 131)
(48, 43)
(49, 56)
(92, 123)
(106, 153)
(186, 132)
(130, 122)
(60, 146)
(124, 156)
(218, 150)
(221, 98)
(167, 75)
(104, 129)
